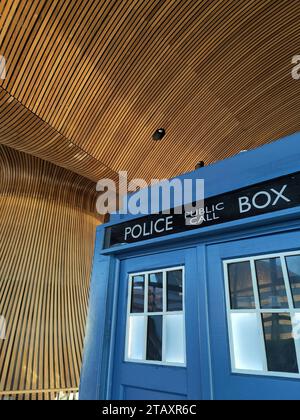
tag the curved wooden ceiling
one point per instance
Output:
(89, 82)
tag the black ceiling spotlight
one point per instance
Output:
(199, 165)
(159, 134)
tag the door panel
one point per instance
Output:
(138, 380)
(268, 293)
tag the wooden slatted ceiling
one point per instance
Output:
(20, 127)
(47, 230)
(99, 77)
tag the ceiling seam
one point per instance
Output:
(58, 132)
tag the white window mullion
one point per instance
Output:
(183, 312)
(255, 285)
(233, 316)
(165, 322)
(164, 307)
(287, 283)
(129, 295)
(291, 308)
(295, 319)
(164, 292)
(259, 314)
(128, 316)
(163, 344)
(146, 313)
(146, 293)
(146, 335)
(228, 311)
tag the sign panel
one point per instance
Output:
(265, 197)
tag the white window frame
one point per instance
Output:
(163, 313)
(258, 311)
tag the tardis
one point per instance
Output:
(209, 309)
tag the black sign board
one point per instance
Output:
(265, 197)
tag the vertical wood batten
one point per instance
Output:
(47, 230)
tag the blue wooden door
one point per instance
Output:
(254, 317)
(157, 339)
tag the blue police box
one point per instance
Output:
(208, 309)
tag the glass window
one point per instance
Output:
(262, 297)
(293, 266)
(240, 285)
(246, 342)
(280, 344)
(155, 292)
(175, 342)
(272, 292)
(136, 334)
(137, 294)
(155, 333)
(174, 290)
(154, 338)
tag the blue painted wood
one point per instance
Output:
(131, 393)
(164, 380)
(104, 375)
(226, 385)
(97, 345)
(203, 323)
(276, 159)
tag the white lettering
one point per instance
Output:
(280, 195)
(162, 193)
(123, 197)
(244, 204)
(261, 206)
(138, 202)
(146, 229)
(156, 228)
(220, 206)
(107, 201)
(127, 231)
(265, 197)
(169, 223)
(123, 411)
(139, 227)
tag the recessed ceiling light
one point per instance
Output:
(159, 134)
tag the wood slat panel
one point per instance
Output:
(89, 82)
(47, 228)
(55, 394)
(23, 130)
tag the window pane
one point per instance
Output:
(154, 338)
(293, 265)
(247, 343)
(271, 285)
(155, 292)
(174, 339)
(296, 328)
(280, 345)
(240, 286)
(174, 290)
(136, 337)
(137, 294)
